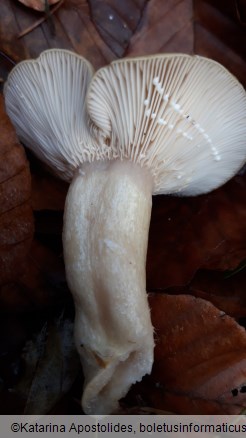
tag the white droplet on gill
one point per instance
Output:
(146, 102)
(153, 116)
(201, 130)
(162, 122)
(217, 157)
(166, 97)
(176, 106)
(159, 88)
(215, 153)
(170, 126)
(147, 112)
(189, 137)
(156, 81)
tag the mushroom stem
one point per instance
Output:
(106, 224)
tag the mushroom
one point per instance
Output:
(173, 124)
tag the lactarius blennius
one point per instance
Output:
(173, 124)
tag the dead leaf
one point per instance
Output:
(219, 34)
(50, 365)
(42, 284)
(38, 5)
(72, 29)
(16, 219)
(116, 21)
(228, 294)
(189, 233)
(48, 192)
(199, 355)
(100, 31)
(165, 27)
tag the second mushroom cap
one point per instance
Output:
(181, 116)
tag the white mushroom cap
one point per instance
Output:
(183, 117)
(45, 98)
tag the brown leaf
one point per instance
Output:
(199, 356)
(16, 219)
(210, 347)
(100, 31)
(220, 34)
(48, 192)
(185, 234)
(50, 365)
(116, 21)
(71, 29)
(42, 284)
(165, 27)
(38, 5)
(228, 294)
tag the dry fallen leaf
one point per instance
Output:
(166, 26)
(42, 284)
(48, 192)
(200, 361)
(50, 366)
(220, 34)
(117, 21)
(226, 293)
(189, 233)
(38, 5)
(16, 219)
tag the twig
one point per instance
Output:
(239, 13)
(40, 21)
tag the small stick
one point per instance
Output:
(40, 21)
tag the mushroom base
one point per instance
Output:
(106, 224)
